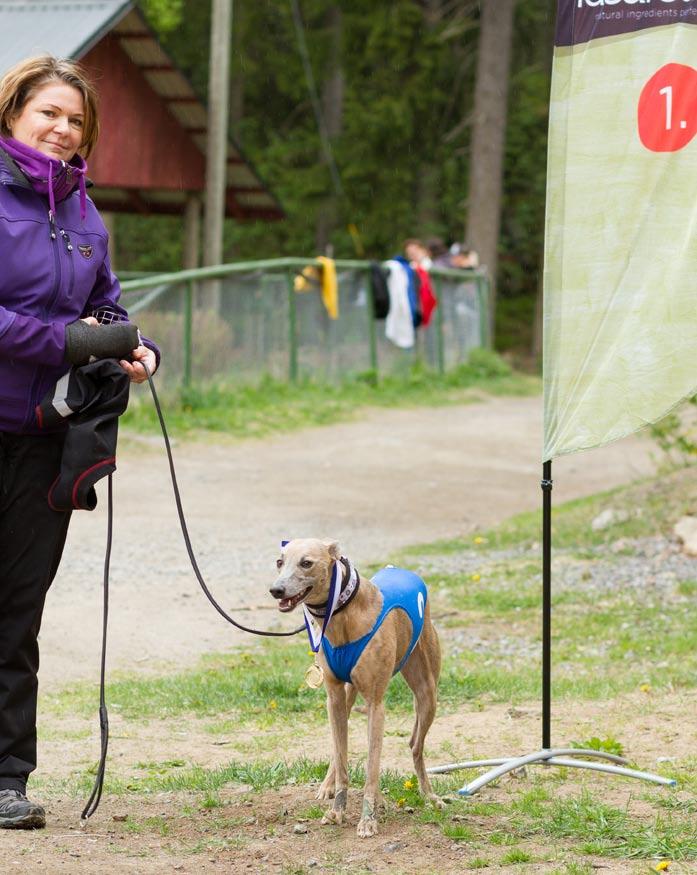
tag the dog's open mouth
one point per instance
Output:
(286, 605)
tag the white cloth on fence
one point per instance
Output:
(399, 324)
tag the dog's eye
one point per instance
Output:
(279, 563)
(306, 563)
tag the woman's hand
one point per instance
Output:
(135, 369)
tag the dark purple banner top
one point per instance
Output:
(579, 21)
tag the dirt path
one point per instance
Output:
(393, 478)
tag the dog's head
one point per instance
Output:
(304, 572)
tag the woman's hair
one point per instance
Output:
(20, 83)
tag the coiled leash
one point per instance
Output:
(96, 795)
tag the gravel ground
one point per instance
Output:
(650, 565)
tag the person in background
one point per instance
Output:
(461, 256)
(417, 253)
(57, 298)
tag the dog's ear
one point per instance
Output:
(333, 549)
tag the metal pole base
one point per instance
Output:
(551, 757)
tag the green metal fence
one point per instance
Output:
(263, 326)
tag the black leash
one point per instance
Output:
(185, 531)
(96, 795)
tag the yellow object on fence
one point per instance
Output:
(324, 278)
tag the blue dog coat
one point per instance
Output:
(400, 589)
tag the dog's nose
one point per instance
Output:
(278, 590)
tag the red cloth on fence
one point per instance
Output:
(429, 302)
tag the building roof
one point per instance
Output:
(74, 29)
(65, 28)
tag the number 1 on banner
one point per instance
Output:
(668, 91)
(667, 113)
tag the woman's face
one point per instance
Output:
(52, 121)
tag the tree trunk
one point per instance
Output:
(333, 112)
(489, 134)
(216, 147)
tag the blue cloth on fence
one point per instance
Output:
(412, 290)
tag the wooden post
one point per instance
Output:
(217, 144)
(190, 261)
(292, 330)
(192, 232)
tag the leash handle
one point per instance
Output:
(185, 531)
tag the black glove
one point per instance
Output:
(84, 341)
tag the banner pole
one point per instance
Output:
(546, 485)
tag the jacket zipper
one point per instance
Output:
(69, 248)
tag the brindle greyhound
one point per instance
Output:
(305, 572)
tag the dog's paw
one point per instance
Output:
(326, 789)
(333, 817)
(367, 827)
(438, 802)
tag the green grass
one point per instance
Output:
(271, 406)
(609, 831)
(265, 686)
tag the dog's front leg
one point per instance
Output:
(327, 788)
(338, 718)
(368, 824)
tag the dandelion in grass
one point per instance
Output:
(645, 688)
(479, 540)
(475, 577)
(408, 784)
(273, 704)
(401, 802)
(662, 866)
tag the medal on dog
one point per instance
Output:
(314, 676)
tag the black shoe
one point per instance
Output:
(17, 812)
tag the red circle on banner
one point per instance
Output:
(668, 108)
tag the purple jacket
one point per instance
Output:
(45, 283)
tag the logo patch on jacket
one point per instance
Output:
(85, 249)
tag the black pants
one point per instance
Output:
(32, 537)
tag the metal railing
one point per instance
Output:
(462, 294)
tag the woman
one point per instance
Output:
(57, 294)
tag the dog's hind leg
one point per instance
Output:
(338, 718)
(327, 787)
(421, 672)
